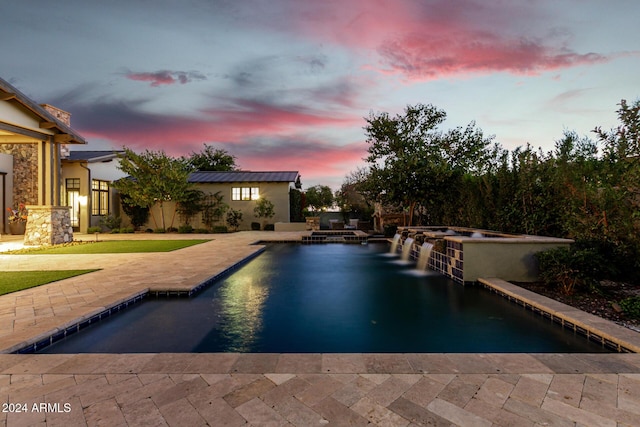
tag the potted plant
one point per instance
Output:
(18, 219)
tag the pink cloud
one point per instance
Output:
(432, 38)
(241, 120)
(315, 159)
(165, 77)
(420, 56)
(249, 117)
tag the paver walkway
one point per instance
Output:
(320, 389)
(277, 389)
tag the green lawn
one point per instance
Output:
(115, 247)
(12, 281)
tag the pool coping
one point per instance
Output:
(50, 337)
(593, 327)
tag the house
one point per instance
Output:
(86, 187)
(241, 190)
(33, 140)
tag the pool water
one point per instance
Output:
(323, 299)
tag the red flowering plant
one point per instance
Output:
(18, 215)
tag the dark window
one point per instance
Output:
(99, 197)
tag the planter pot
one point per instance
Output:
(17, 227)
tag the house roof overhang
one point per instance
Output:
(94, 156)
(29, 121)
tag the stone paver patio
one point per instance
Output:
(274, 389)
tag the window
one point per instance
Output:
(72, 187)
(245, 193)
(99, 197)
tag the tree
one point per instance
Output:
(319, 197)
(139, 215)
(296, 205)
(234, 218)
(191, 203)
(212, 159)
(413, 162)
(623, 141)
(264, 209)
(354, 197)
(153, 178)
(213, 207)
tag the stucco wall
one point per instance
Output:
(18, 115)
(101, 172)
(510, 259)
(74, 170)
(276, 193)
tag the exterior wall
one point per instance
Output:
(106, 171)
(6, 189)
(64, 117)
(276, 192)
(290, 226)
(48, 225)
(25, 172)
(75, 170)
(510, 259)
(466, 259)
(101, 171)
(18, 115)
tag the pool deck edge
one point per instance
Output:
(586, 323)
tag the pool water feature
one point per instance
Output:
(406, 249)
(327, 298)
(466, 255)
(425, 254)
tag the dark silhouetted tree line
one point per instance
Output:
(584, 189)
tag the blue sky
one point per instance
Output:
(286, 84)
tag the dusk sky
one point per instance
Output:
(286, 84)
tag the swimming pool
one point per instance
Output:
(322, 299)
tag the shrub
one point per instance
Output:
(127, 230)
(172, 230)
(255, 226)
(570, 268)
(201, 231)
(111, 222)
(234, 218)
(220, 229)
(631, 306)
(185, 229)
(390, 230)
(160, 231)
(148, 230)
(137, 215)
(115, 231)
(269, 227)
(92, 230)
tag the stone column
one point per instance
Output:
(48, 225)
(313, 223)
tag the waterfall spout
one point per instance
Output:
(394, 243)
(406, 249)
(425, 254)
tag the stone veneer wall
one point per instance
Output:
(25, 172)
(64, 117)
(48, 225)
